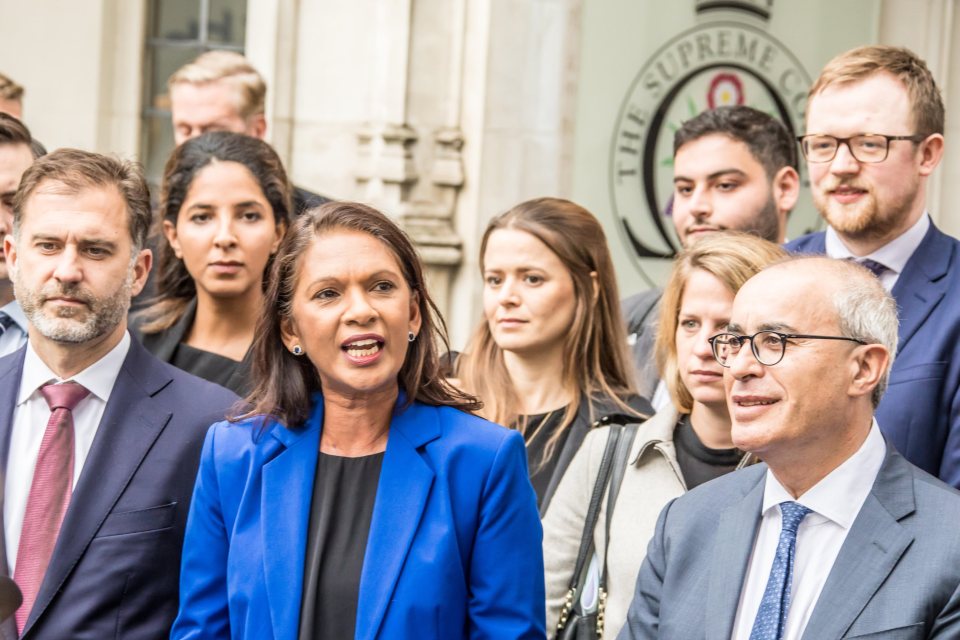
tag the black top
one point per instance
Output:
(213, 367)
(170, 347)
(698, 462)
(344, 492)
(540, 428)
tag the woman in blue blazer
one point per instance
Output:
(357, 497)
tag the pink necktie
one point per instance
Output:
(49, 494)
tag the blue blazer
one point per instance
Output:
(454, 549)
(920, 412)
(113, 573)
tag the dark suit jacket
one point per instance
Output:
(115, 568)
(642, 314)
(164, 344)
(920, 412)
(897, 576)
(303, 200)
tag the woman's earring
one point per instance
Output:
(297, 350)
(411, 336)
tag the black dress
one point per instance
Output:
(540, 428)
(344, 492)
(170, 347)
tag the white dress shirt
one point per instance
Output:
(893, 255)
(15, 335)
(835, 502)
(30, 419)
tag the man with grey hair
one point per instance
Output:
(99, 440)
(834, 535)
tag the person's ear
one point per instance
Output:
(868, 363)
(931, 152)
(289, 334)
(786, 190)
(141, 269)
(257, 126)
(170, 232)
(416, 321)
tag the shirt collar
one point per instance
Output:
(840, 495)
(13, 310)
(98, 378)
(893, 255)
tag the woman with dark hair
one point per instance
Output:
(358, 497)
(550, 356)
(225, 205)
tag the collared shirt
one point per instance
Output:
(835, 502)
(15, 336)
(893, 255)
(30, 419)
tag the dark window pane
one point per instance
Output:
(176, 19)
(157, 145)
(228, 22)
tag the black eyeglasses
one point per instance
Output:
(866, 147)
(768, 346)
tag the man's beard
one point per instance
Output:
(864, 220)
(765, 224)
(73, 325)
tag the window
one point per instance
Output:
(177, 32)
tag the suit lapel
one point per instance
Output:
(405, 483)
(131, 423)
(285, 507)
(873, 547)
(735, 535)
(922, 284)
(9, 388)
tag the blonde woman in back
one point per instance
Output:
(679, 448)
(550, 357)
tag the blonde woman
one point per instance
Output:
(679, 448)
(550, 357)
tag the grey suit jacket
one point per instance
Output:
(897, 576)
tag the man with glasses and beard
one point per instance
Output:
(99, 440)
(874, 135)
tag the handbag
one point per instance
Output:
(576, 621)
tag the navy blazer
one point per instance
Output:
(454, 549)
(897, 576)
(113, 573)
(920, 412)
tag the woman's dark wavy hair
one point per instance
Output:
(283, 382)
(175, 287)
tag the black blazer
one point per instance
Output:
(115, 569)
(164, 344)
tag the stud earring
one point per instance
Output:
(297, 350)
(411, 336)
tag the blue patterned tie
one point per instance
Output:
(772, 615)
(875, 267)
(5, 322)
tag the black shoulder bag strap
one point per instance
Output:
(593, 512)
(621, 458)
